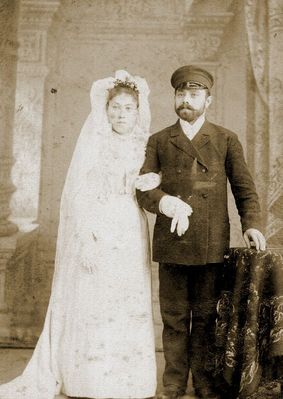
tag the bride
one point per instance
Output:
(98, 338)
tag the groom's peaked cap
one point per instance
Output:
(194, 75)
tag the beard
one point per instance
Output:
(188, 113)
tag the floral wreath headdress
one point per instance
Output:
(126, 83)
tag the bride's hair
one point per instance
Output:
(122, 88)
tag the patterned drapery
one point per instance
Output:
(264, 24)
(249, 333)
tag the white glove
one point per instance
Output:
(178, 210)
(181, 222)
(256, 237)
(169, 204)
(148, 181)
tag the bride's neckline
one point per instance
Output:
(122, 137)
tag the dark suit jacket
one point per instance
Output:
(196, 171)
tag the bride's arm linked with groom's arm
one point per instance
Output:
(169, 205)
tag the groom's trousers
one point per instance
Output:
(188, 299)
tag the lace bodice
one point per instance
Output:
(121, 162)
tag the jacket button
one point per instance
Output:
(203, 170)
(179, 171)
(204, 195)
(178, 196)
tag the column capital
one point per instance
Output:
(34, 20)
(37, 14)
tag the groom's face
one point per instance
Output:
(191, 103)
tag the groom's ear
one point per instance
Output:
(208, 100)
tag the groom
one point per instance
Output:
(195, 158)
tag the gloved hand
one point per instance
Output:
(180, 221)
(148, 181)
(169, 204)
(255, 236)
(178, 210)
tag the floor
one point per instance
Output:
(13, 361)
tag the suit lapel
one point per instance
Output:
(180, 140)
(202, 137)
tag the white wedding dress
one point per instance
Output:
(98, 338)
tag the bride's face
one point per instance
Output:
(122, 112)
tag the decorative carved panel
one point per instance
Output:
(275, 16)
(133, 20)
(203, 34)
(32, 46)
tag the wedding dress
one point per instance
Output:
(98, 338)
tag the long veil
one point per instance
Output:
(75, 250)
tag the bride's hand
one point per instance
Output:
(87, 254)
(148, 181)
(87, 265)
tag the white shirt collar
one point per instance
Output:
(191, 130)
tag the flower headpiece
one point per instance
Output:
(126, 83)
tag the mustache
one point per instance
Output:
(185, 106)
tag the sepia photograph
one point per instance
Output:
(141, 199)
